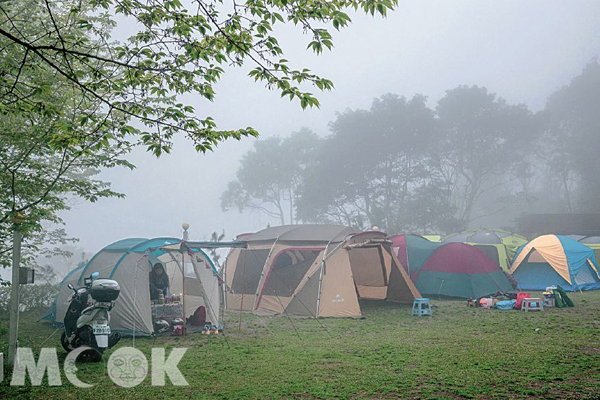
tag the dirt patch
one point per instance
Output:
(589, 350)
(331, 364)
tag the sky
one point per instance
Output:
(521, 50)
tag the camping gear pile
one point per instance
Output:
(166, 317)
(167, 311)
(560, 297)
(554, 296)
(499, 300)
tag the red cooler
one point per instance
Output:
(520, 297)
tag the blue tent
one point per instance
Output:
(556, 260)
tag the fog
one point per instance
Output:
(523, 51)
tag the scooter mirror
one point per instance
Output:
(95, 275)
(70, 286)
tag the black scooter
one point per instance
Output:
(87, 323)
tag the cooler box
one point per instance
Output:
(548, 299)
(520, 297)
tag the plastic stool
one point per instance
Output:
(422, 307)
(532, 304)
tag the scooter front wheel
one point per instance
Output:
(94, 354)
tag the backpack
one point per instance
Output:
(198, 318)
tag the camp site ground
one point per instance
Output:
(459, 353)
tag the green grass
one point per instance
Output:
(459, 353)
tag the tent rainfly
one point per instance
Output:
(313, 270)
(129, 262)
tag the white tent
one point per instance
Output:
(191, 273)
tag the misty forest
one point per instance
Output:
(408, 164)
(281, 199)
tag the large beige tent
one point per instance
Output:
(313, 270)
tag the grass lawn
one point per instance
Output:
(459, 353)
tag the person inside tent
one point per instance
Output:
(158, 281)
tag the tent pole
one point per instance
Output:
(319, 290)
(407, 262)
(261, 283)
(440, 291)
(243, 289)
(224, 286)
(137, 267)
(183, 286)
(325, 253)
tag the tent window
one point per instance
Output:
(254, 261)
(584, 275)
(490, 251)
(289, 268)
(189, 270)
(283, 261)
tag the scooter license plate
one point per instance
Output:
(101, 330)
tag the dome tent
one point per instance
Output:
(556, 260)
(593, 242)
(313, 271)
(433, 237)
(498, 244)
(129, 262)
(451, 269)
(413, 251)
(460, 270)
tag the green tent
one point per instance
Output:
(593, 242)
(498, 244)
(433, 238)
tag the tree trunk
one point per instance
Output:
(291, 208)
(567, 191)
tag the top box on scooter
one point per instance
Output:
(105, 290)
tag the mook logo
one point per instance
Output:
(126, 367)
